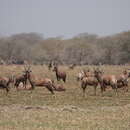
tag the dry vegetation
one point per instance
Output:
(66, 110)
(82, 49)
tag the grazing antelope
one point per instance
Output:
(4, 83)
(106, 80)
(59, 74)
(23, 78)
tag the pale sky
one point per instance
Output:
(64, 17)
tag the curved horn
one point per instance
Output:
(25, 68)
(29, 67)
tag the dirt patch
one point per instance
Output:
(68, 108)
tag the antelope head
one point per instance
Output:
(55, 68)
(27, 71)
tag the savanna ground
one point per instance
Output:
(68, 110)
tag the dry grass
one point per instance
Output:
(67, 110)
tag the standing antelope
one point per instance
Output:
(106, 80)
(4, 83)
(23, 78)
(122, 80)
(87, 78)
(59, 74)
(91, 81)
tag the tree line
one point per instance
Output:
(81, 50)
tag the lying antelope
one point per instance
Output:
(59, 87)
(46, 82)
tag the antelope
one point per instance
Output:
(106, 80)
(122, 80)
(80, 76)
(59, 74)
(87, 78)
(23, 78)
(91, 81)
(59, 87)
(46, 82)
(49, 84)
(4, 83)
(83, 74)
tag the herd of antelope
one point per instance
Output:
(97, 77)
(94, 78)
(27, 76)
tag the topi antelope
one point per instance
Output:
(80, 76)
(83, 74)
(91, 81)
(59, 88)
(122, 80)
(46, 82)
(106, 80)
(23, 78)
(4, 83)
(59, 74)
